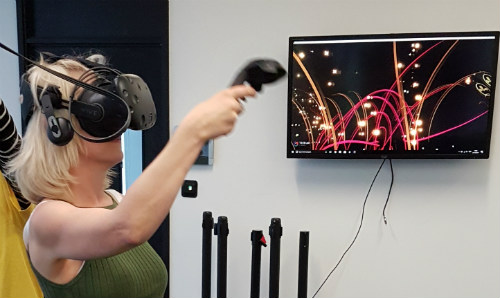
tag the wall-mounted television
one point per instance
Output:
(405, 96)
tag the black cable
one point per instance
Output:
(63, 76)
(357, 233)
(389, 194)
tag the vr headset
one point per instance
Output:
(104, 102)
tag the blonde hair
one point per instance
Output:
(41, 168)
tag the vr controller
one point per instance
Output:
(259, 72)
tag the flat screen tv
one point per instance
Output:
(402, 96)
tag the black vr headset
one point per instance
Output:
(108, 102)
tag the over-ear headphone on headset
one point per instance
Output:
(109, 103)
(59, 130)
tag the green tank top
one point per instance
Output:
(138, 272)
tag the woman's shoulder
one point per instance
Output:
(44, 217)
(50, 212)
(49, 209)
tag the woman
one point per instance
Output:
(80, 242)
(16, 276)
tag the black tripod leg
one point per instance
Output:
(206, 261)
(303, 264)
(258, 240)
(275, 232)
(221, 230)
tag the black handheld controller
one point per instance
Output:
(259, 72)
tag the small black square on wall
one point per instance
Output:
(189, 189)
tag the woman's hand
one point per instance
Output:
(217, 115)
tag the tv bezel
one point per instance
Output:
(387, 154)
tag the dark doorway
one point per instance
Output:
(132, 34)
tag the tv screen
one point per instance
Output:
(425, 95)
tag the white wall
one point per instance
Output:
(9, 67)
(443, 236)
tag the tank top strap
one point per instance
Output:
(115, 195)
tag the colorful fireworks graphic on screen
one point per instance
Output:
(425, 95)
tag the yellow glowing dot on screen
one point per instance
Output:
(330, 84)
(413, 132)
(298, 75)
(417, 65)
(302, 55)
(367, 105)
(335, 71)
(376, 132)
(326, 52)
(418, 97)
(400, 65)
(415, 84)
(468, 80)
(420, 129)
(413, 142)
(417, 45)
(418, 122)
(361, 123)
(373, 113)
